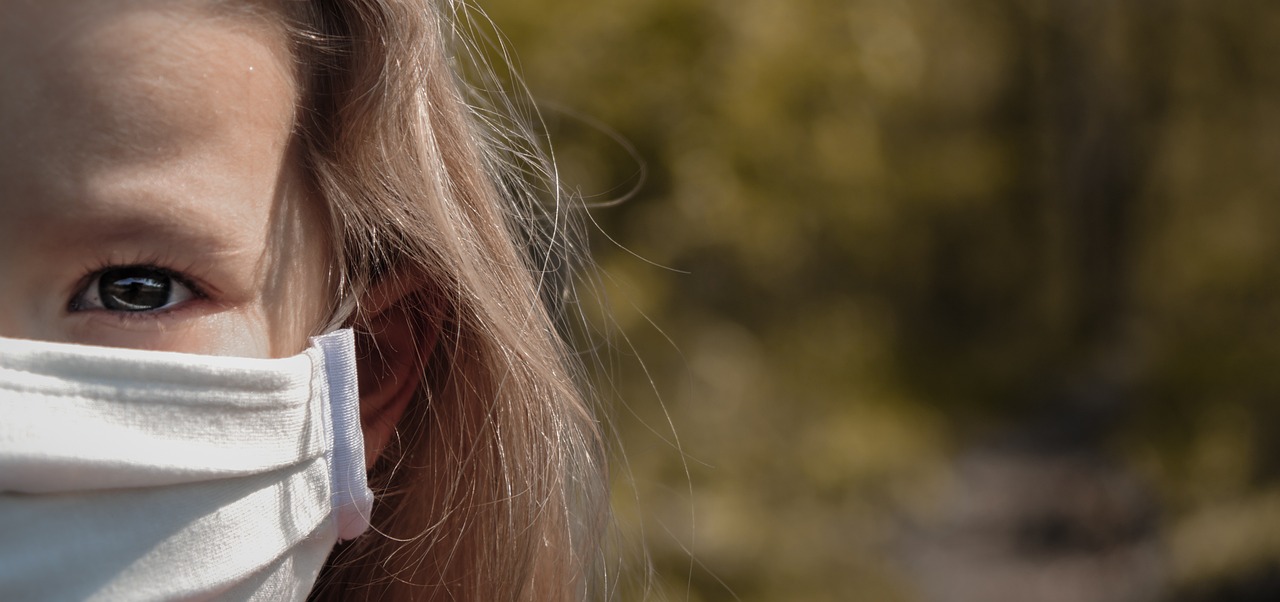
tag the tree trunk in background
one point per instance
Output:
(1039, 512)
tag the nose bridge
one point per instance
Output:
(9, 306)
(10, 325)
(26, 311)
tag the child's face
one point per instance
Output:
(147, 195)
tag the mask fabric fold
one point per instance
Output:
(144, 475)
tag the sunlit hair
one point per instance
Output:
(495, 488)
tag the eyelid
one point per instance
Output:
(86, 286)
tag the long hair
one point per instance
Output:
(495, 488)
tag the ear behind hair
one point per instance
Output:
(396, 333)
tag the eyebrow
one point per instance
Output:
(196, 233)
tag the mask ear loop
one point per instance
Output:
(347, 306)
(342, 314)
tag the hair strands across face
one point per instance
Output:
(495, 488)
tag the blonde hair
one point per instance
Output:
(495, 488)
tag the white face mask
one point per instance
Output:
(147, 475)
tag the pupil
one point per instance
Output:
(134, 289)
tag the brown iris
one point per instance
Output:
(134, 288)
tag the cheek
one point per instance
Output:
(240, 332)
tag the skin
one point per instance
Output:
(158, 134)
(154, 133)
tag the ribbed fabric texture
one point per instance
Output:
(352, 499)
(140, 475)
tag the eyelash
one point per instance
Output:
(198, 292)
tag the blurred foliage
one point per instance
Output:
(877, 235)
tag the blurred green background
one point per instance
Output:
(945, 300)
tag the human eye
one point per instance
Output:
(133, 289)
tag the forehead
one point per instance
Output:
(136, 75)
(112, 106)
